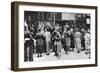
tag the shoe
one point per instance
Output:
(82, 49)
(78, 51)
(86, 53)
(55, 54)
(89, 57)
(66, 53)
(48, 54)
(40, 55)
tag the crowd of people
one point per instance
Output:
(46, 41)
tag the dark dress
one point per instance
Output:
(31, 42)
(53, 39)
(28, 43)
(72, 41)
(67, 40)
(39, 44)
(83, 41)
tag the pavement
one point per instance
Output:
(71, 56)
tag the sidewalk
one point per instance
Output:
(71, 55)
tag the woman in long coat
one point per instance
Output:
(39, 43)
(67, 41)
(78, 40)
(87, 42)
(47, 36)
(57, 43)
